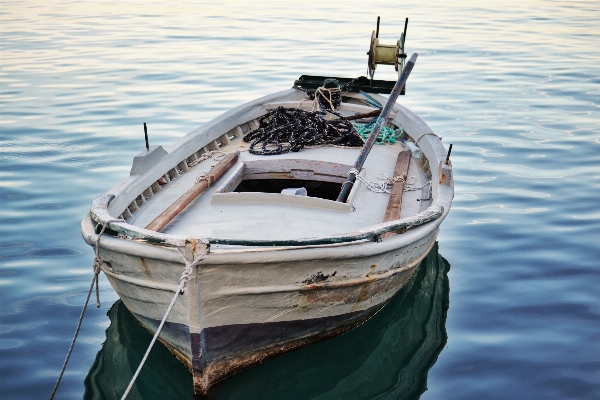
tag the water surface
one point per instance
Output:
(514, 86)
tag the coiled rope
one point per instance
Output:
(98, 261)
(290, 129)
(386, 135)
(185, 277)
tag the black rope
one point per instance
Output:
(291, 129)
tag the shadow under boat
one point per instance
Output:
(388, 356)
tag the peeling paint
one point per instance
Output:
(318, 277)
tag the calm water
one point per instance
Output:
(515, 87)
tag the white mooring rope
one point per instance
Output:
(185, 277)
(96, 266)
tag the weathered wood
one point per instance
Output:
(394, 206)
(180, 204)
(374, 113)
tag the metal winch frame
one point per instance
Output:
(386, 54)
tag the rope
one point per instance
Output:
(98, 261)
(292, 129)
(219, 155)
(382, 185)
(386, 135)
(204, 176)
(425, 134)
(386, 181)
(185, 277)
(206, 156)
(331, 95)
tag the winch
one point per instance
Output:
(386, 54)
(379, 53)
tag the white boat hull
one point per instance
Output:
(234, 315)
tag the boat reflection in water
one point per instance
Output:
(388, 356)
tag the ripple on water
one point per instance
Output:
(514, 86)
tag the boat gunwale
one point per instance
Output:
(99, 213)
(251, 254)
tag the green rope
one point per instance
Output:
(386, 135)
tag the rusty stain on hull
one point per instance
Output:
(146, 269)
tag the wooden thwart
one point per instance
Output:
(395, 203)
(180, 204)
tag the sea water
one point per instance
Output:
(508, 306)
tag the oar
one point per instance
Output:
(364, 152)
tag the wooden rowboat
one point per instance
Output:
(268, 272)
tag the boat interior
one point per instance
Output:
(285, 196)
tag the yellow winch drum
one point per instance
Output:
(386, 54)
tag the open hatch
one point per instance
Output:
(304, 183)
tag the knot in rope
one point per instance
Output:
(204, 176)
(189, 265)
(393, 179)
(98, 261)
(330, 95)
(386, 134)
(218, 155)
(385, 181)
(187, 273)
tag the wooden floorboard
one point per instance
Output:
(394, 206)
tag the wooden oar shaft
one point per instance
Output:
(364, 152)
(180, 204)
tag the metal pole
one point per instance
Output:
(403, 39)
(404, 34)
(146, 136)
(364, 152)
(448, 156)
